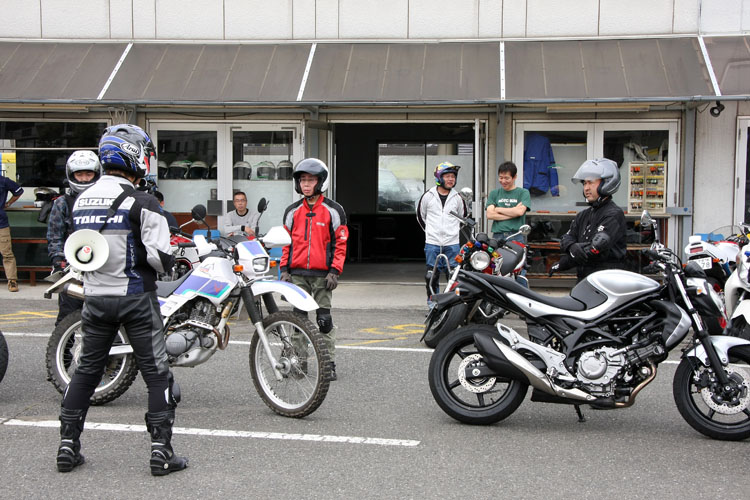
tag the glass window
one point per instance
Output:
(642, 156)
(186, 167)
(550, 159)
(262, 166)
(42, 149)
(405, 171)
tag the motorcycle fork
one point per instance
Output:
(702, 335)
(257, 319)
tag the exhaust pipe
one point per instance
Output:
(508, 363)
(73, 290)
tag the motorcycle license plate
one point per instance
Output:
(705, 262)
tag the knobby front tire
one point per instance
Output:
(297, 344)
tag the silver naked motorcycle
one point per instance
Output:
(599, 346)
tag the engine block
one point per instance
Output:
(597, 370)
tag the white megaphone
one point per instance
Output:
(86, 250)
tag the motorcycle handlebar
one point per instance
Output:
(187, 244)
(650, 254)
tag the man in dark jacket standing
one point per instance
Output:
(122, 292)
(315, 259)
(596, 238)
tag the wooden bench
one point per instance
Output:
(31, 269)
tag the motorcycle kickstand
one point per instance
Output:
(581, 418)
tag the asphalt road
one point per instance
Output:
(379, 434)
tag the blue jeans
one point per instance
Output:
(431, 252)
(504, 234)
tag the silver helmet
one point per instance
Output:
(600, 168)
(79, 161)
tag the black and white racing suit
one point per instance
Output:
(123, 290)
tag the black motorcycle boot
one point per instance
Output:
(69, 453)
(163, 459)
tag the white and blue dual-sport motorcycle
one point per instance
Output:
(289, 361)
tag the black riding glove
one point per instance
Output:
(579, 252)
(332, 281)
(285, 276)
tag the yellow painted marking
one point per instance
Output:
(408, 329)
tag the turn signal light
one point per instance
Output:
(238, 268)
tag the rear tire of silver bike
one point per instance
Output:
(477, 401)
(306, 370)
(64, 351)
(701, 411)
(449, 320)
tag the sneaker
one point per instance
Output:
(12, 285)
(333, 372)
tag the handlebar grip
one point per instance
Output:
(187, 244)
(650, 254)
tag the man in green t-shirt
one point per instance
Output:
(507, 206)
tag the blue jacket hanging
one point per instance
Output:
(539, 174)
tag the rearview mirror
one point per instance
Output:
(198, 212)
(525, 229)
(262, 205)
(646, 220)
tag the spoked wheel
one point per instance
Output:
(64, 352)
(478, 400)
(444, 323)
(3, 356)
(305, 368)
(715, 411)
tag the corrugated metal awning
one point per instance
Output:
(184, 73)
(302, 74)
(409, 72)
(610, 70)
(730, 57)
(33, 71)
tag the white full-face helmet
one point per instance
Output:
(81, 161)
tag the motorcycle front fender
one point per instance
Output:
(722, 344)
(742, 310)
(732, 289)
(291, 293)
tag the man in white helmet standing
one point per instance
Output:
(81, 170)
(596, 238)
(441, 229)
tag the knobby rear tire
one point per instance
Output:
(63, 353)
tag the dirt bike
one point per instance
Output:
(3, 356)
(599, 346)
(289, 361)
(483, 254)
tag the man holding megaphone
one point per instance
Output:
(121, 242)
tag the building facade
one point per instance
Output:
(234, 92)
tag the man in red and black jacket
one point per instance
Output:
(315, 259)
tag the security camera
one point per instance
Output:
(716, 110)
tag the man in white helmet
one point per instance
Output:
(81, 170)
(596, 238)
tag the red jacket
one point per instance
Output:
(318, 238)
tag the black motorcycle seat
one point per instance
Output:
(166, 288)
(567, 302)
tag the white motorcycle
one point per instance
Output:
(289, 361)
(736, 295)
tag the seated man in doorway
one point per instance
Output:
(241, 220)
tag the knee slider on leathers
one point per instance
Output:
(324, 320)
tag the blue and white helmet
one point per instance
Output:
(127, 148)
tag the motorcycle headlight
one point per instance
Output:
(260, 264)
(480, 260)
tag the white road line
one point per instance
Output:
(192, 431)
(351, 347)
